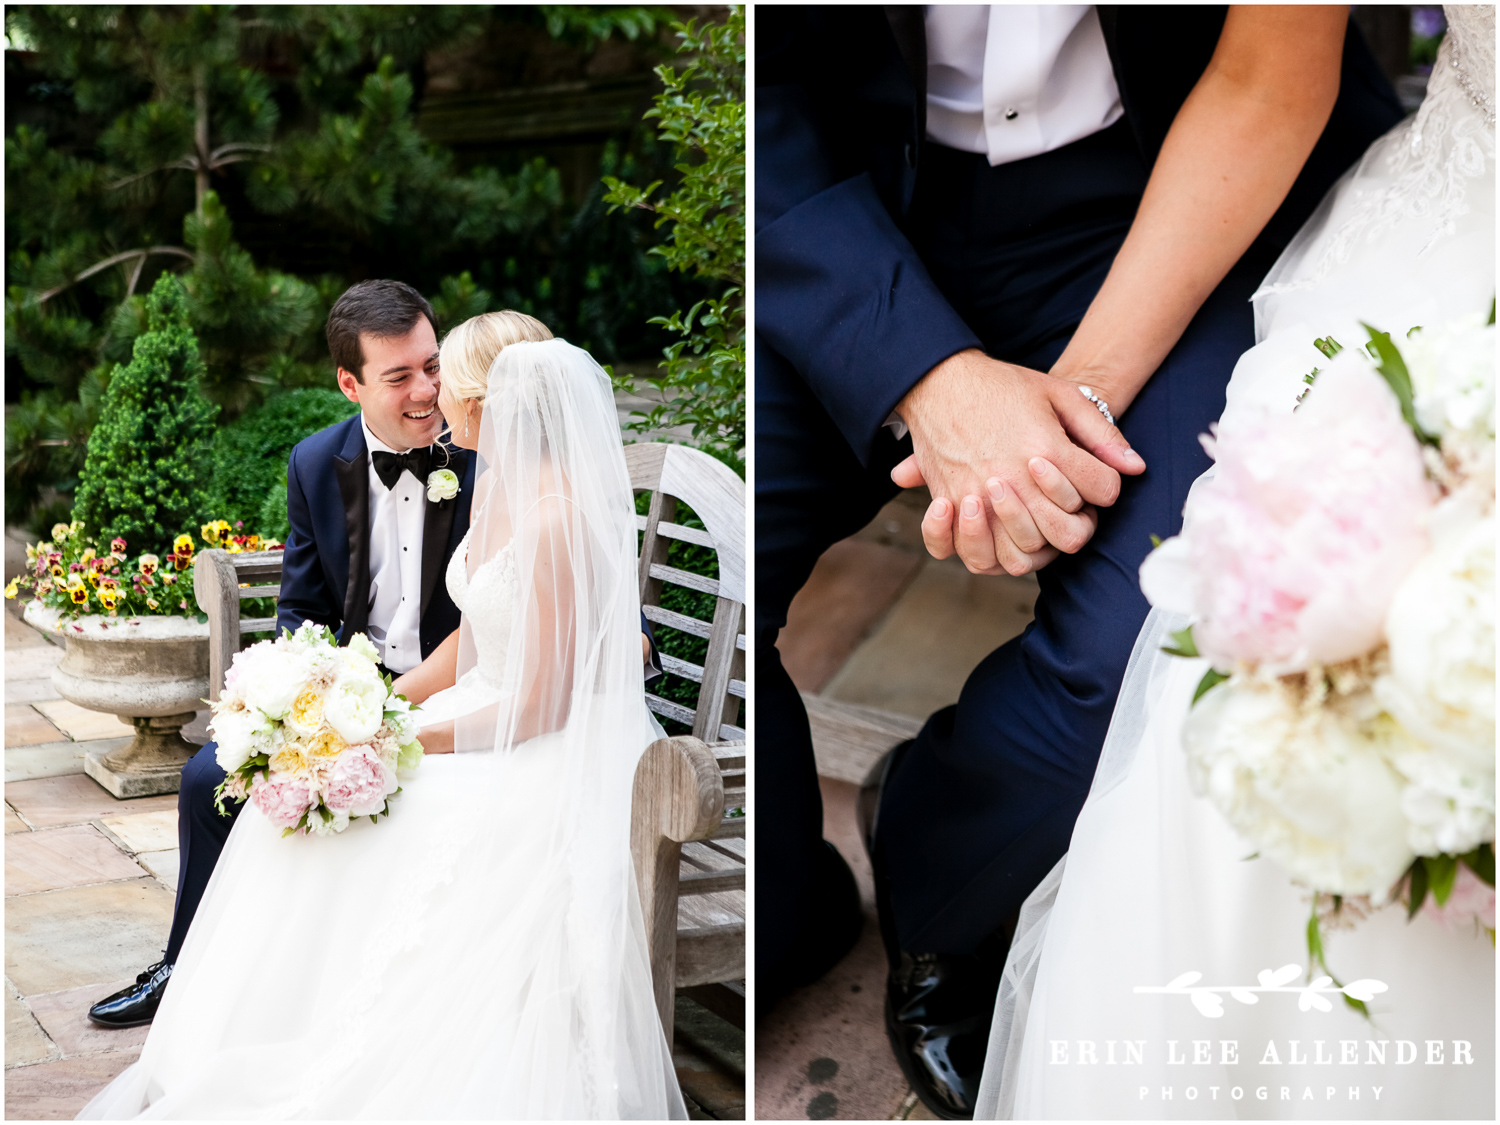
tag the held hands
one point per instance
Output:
(1018, 456)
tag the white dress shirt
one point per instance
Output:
(397, 517)
(1017, 80)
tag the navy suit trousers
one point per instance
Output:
(201, 834)
(983, 803)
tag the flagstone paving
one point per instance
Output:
(89, 887)
(882, 624)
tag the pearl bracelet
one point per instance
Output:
(1099, 402)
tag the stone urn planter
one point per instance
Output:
(150, 671)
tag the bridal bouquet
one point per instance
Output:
(311, 732)
(1339, 569)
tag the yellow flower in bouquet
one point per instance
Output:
(306, 711)
(326, 744)
(12, 587)
(292, 758)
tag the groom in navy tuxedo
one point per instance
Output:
(941, 194)
(367, 553)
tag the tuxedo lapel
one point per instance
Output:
(437, 524)
(908, 25)
(353, 475)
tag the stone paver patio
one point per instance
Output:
(882, 624)
(89, 886)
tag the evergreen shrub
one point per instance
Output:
(146, 474)
(250, 455)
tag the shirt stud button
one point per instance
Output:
(1011, 115)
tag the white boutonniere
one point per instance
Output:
(442, 484)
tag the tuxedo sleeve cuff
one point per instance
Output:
(843, 296)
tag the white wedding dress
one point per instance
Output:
(1155, 883)
(477, 954)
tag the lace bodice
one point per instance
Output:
(488, 601)
(1427, 172)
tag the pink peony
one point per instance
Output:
(1471, 899)
(1291, 552)
(282, 799)
(359, 782)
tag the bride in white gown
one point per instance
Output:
(1156, 884)
(480, 952)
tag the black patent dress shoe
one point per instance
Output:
(133, 1006)
(937, 1016)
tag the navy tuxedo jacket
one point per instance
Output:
(325, 570)
(325, 574)
(840, 121)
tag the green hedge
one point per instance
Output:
(250, 455)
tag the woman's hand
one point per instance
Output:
(436, 740)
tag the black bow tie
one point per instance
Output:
(390, 466)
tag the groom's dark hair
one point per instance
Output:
(380, 308)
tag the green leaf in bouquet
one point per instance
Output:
(1155, 541)
(1492, 312)
(1481, 861)
(1392, 369)
(1328, 346)
(1442, 870)
(1316, 958)
(1211, 679)
(1416, 889)
(1182, 643)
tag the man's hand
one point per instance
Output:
(1019, 456)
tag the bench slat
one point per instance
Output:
(690, 625)
(731, 827)
(669, 709)
(256, 624)
(685, 578)
(709, 882)
(682, 668)
(710, 953)
(260, 591)
(728, 731)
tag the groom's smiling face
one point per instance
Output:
(398, 392)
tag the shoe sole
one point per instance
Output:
(908, 1069)
(122, 1026)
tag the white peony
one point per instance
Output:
(360, 645)
(270, 678)
(355, 706)
(1441, 682)
(241, 735)
(1452, 370)
(1308, 782)
(1441, 629)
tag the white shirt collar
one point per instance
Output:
(372, 443)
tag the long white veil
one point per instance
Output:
(552, 627)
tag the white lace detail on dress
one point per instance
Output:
(1424, 167)
(488, 597)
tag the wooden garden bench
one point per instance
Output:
(689, 853)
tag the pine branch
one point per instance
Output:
(113, 260)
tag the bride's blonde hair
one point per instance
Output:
(467, 352)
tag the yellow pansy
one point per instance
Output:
(183, 544)
(79, 594)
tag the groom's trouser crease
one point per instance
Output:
(984, 803)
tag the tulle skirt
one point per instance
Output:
(1156, 884)
(463, 958)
